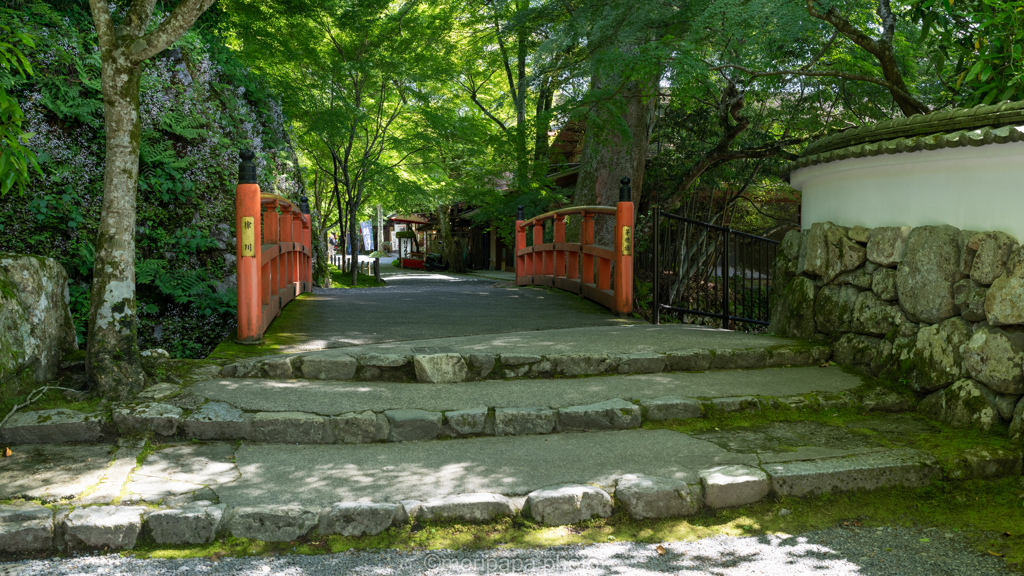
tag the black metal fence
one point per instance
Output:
(701, 273)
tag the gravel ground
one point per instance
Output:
(832, 552)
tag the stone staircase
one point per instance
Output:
(559, 426)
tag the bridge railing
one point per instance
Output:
(275, 259)
(598, 273)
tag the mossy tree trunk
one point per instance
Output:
(615, 145)
(112, 357)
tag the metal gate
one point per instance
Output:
(701, 273)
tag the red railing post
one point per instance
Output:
(586, 239)
(539, 268)
(272, 235)
(247, 250)
(286, 266)
(559, 239)
(521, 266)
(624, 249)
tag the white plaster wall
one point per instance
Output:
(972, 188)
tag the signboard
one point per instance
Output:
(366, 228)
(248, 236)
(627, 241)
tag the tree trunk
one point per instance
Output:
(112, 358)
(608, 154)
(354, 242)
(452, 250)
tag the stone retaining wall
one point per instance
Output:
(934, 308)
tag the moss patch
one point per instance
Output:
(341, 279)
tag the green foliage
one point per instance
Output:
(198, 105)
(16, 158)
(975, 46)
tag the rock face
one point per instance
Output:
(936, 357)
(614, 414)
(36, 328)
(736, 485)
(57, 426)
(930, 268)
(474, 507)
(830, 252)
(149, 417)
(793, 310)
(887, 245)
(833, 308)
(994, 357)
(991, 251)
(965, 404)
(969, 297)
(272, 522)
(439, 368)
(875, 317)
(1004, 303)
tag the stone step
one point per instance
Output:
(637, 349)
(325, 412)
(277, 492)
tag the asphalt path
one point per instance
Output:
(417, 305)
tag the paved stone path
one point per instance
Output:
(419, 305)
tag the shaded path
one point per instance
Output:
(419, 305)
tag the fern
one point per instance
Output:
(189, 127)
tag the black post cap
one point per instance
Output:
(519, 214)
(246, 168)
(625, 191)
(304, 204)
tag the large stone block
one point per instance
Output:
(830, 252)
(470, 421)
(568, 504)
(1017, 422)
(518, 421)
(671, 408)
(833, 308)
(857, 350)
(615, 414)
(883, 284)
(272, 523)
(887, 245)
(36, 328)
(936, 359)
(875, 317)
(689, 360)
(985, 463)
(995, 357)
(474, 507)
(357, 518)
(216, 421)
(149, 417)
(930, 268)
(965, 404)
(290, 428)
(649, 497)
(739, 359)
(360, 427)
(580, 364)
(412, 425)
(641, 363)
(1004, 302)
(329, 366)
(991, 251)
(858, 472)
(57, 426)
(195, 523)
(969, 297)
(25, 527)
(734, 485)
(282, 367)
(793, 308)
(440, 368)
(114, 527)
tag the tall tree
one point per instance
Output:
(125, 43)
